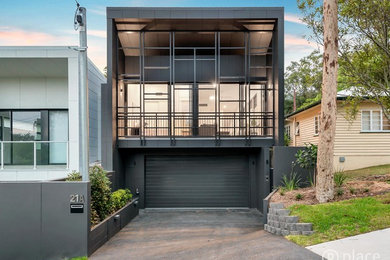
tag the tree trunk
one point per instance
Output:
(325, 182)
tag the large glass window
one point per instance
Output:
(183, 110)
(26, 126)
(198, 83)
(21, 128)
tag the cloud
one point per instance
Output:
(10, 36)
(296, 48)
(98, 11)
(293, 19)
(292, 41)
(16, 36)
(97, 33)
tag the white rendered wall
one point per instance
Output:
(34, 92)
(53, 93)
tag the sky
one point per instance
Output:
(50, 22)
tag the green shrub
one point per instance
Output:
(282, 191)
(339, 192)
(298, 196)
(352, 190)
(292, 182)
(73, 176)
(366, 190)
(100, 192)
(339, 179)
(120, 198)
(94, 217)
(287, 139)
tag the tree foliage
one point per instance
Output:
(305, 77)
(364, 45)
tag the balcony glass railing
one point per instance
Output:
(32, 154)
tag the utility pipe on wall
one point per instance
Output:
(81, 26)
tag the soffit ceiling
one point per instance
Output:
(130, 39)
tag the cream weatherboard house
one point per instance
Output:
(361, 142)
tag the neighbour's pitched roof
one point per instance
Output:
(341, 95)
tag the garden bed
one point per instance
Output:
(111, 225)
(371, 185)
(342, 219)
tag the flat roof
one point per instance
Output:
(195, 12)
(38, 51)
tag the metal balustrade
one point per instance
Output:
(224, 124)
(35, 145)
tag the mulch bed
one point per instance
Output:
(356, 188)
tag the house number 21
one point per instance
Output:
(76, 198)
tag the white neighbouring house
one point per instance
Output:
(39, 112)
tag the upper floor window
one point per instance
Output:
(316, 125)
(374, 121)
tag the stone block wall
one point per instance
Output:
(281, 223)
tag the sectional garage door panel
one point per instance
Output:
(197, 181)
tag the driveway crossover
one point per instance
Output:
(199, 234)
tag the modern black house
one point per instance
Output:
(193, 103)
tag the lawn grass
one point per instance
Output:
(79, 258)
(374, 170)
(342, 219)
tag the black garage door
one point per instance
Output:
(197, 181)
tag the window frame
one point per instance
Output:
(370, 121)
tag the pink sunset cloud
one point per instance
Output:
(295, 41)
(18, 37)
(293, 18)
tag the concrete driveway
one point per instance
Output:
(199, 234)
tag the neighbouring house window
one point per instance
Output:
(374, 121)
(287, 131)
(297, 131)
(49, 128)
(316, 125)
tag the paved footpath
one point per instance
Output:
(370, 246)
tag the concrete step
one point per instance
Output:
(274, 205)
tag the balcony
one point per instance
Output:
(216, 125)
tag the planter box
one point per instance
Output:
(106, 229)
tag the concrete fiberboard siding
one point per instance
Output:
(95, 81)
(33, 93)
(36, 223)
